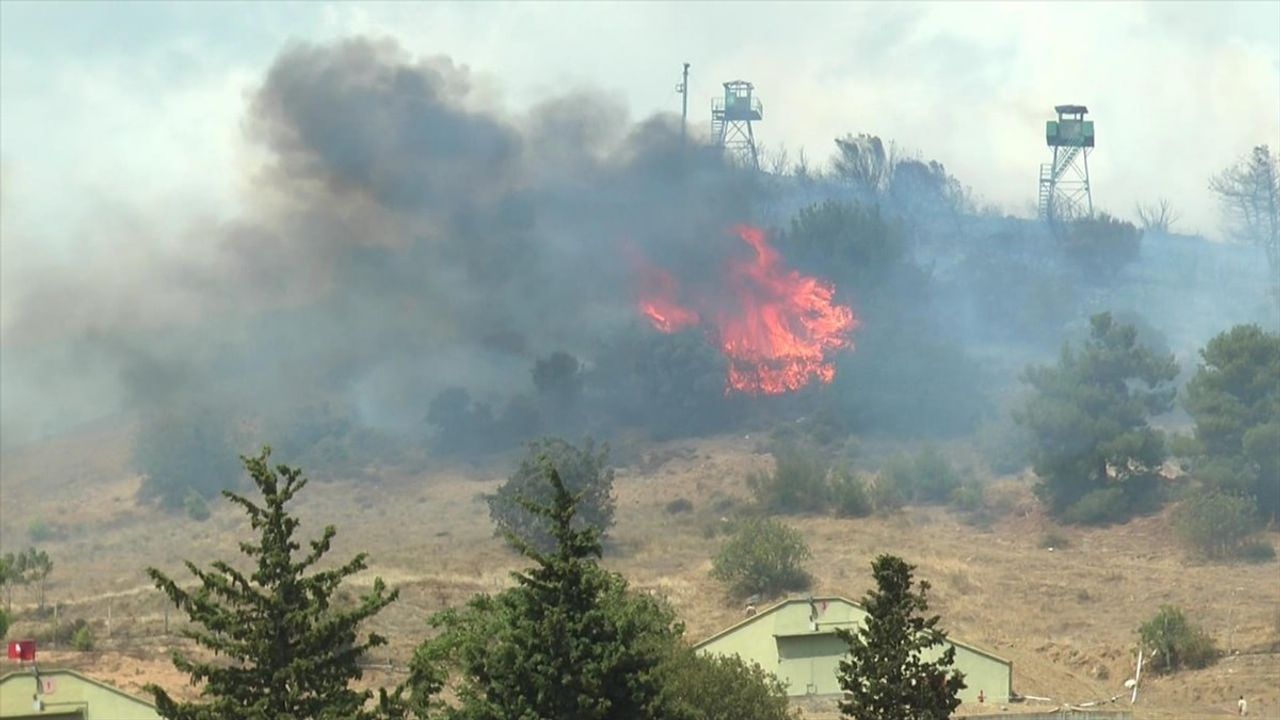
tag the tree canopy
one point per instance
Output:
(584, 470)
(1093, 450)
(284, 650)
(1249, 191)
(886, 675)
(1234, 398)
(568, 642)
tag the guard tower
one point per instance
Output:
(731, 118)
(1064, 183)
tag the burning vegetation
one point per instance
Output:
(777, 328)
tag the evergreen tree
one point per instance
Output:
(1234, 398)
(587, 476)
(569, 642)
(719, 687)
(285, 652)
(1093, 450)
(886, 675)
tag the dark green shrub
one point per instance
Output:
(197, 509)
(82, 639)
(849, 495)
(716, 687)
(679, 505)
(1005, 447)
(4, 623)
(39, 531)
(798, 483)
(1054, 539)
(1216, 525)
(762, 556)
(933, 479)
(584, 471)
(897, 472)
(1175, 643)
(1257, 551)
(969, 497)
(62, 634)
(1099, 507)
(926, 478)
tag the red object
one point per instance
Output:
(22, 650)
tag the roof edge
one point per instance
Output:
(76, 674)
(786, 601)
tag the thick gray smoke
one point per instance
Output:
(403, 238)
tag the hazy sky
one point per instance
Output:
(121, 124)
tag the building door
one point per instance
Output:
(809, 663)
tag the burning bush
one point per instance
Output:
(778, 329)
(584, 471)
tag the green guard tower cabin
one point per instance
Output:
(1064, 183)
(731, 118)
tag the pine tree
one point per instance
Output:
(886, 675)
(284, 652)
(569, 642)
(1093, 448)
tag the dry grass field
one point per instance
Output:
(1066, 617)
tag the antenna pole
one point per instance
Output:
(683, 89)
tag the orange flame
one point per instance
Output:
(659, 302)
(777, 327)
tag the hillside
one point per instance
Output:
(1065, 616)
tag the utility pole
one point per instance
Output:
(683, 89)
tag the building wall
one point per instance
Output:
(72, 696)
(806, 655)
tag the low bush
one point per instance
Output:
(1257, 551)
(926, 478)
(82, 639)
(895, 480)
(584, 470)
(1217, 525)
(4, 623)
(39, 531)
(62, 634)
(1099, 507)
(762, 556)
(679, 505)
(798, 483)
(1005, 447)
(717, 687)
(933, 478)
(969, 497)
(1054, 539)
(1175, 643)
(849, 495)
